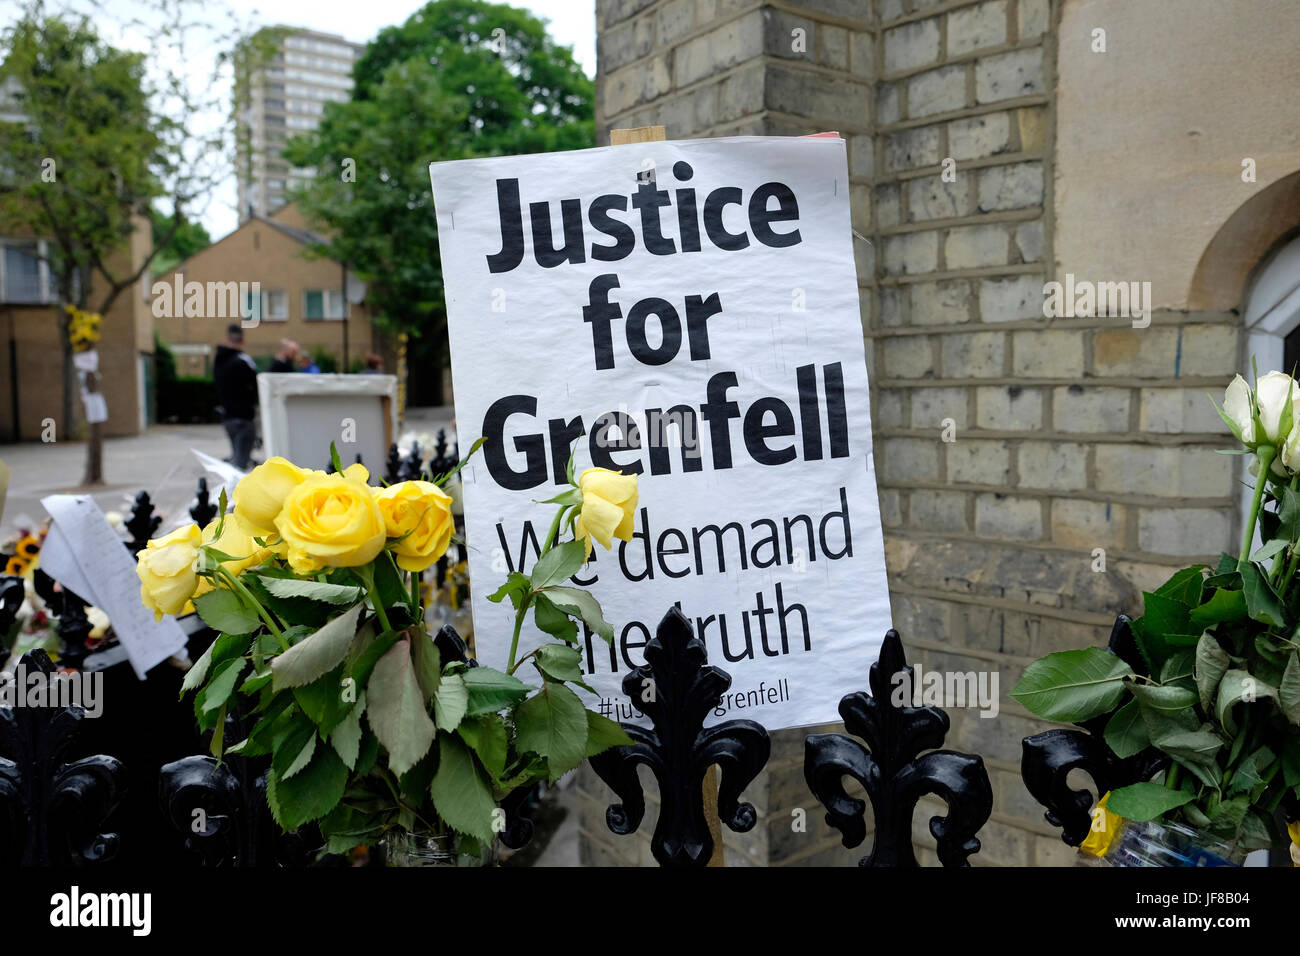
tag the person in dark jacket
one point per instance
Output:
(235, 377)
(285, 357)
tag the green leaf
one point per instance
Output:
(560, 662)
(222, 685)
(428, 664)
(1072, 686)
(581, 603)
(1166, 622)
(1211, 665)
(311, 590)
(461, 794)
(487, 737)
(226, 647)
(1145, 801)
(1178, 666)
(198, 670)
(559, 564)
(1228, 815)
(1270, 548)
(1225, 605)
(1185, 586)
(1126, 733)
(395, 706)
(316, 655)
(1200, 747)
(294, 753)
(491, 690)
(1289, 515)
(1255, 831)
(1168, 698)
(323, 700)
(452, 702)
(1291, 761)
(1288, 691)
(553, 723)
(1238, 686)
(515, 583)
(309, 794)
(346, 736)
(553, 621)
(226, 611)
(375, 648)
(1262, 603)
(603, 733)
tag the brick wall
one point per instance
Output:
(1064, 436)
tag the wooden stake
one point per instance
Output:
(642, 134)
(655, 134)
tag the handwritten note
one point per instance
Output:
(83, 553)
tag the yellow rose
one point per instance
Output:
(260, 494)
(166, 570)
(422, 509)
(332, 521)
(237, 541)
(608, 506)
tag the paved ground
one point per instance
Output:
(158, 461)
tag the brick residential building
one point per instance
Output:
(31, 347)
(996, 147)
(301, 298)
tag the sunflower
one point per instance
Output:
(28, 547)
(15, 565)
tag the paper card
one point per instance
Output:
(84, 553)
(96, 407)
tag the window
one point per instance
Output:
(275, 305)
(271, 306)
(24, 278)
(322, 304)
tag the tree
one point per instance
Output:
(96, 147)
(175, 242)
(460, 78)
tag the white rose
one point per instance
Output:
(1271, 395)
(1236, 405)
(1290, 453)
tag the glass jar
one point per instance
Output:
(403, 848)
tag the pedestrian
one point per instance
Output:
(374, 365)
(284, 356)
(307, 364)
(235, 377)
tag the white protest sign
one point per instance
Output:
(700, 330)
(83, 552)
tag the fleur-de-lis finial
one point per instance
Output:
(895, 773)
(1048, 758)
(676, 689)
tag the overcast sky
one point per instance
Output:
(571, 22)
